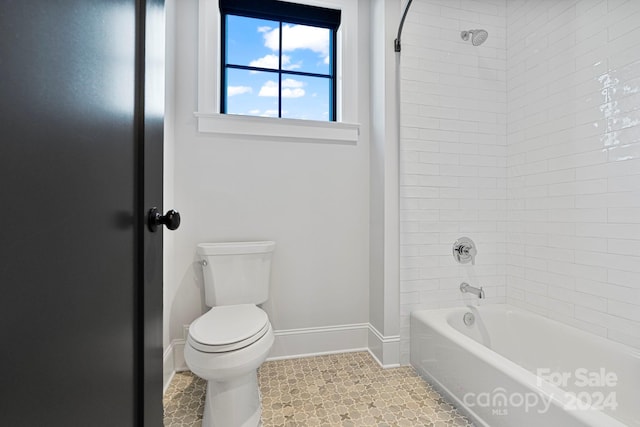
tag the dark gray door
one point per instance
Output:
(150, 255)
(79, 279)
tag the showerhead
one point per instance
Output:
(477, 36)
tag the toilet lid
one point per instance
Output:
(228, 328)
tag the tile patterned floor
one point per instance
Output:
(348, 389)
(184, 401)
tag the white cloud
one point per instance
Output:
(271, 61)
(292, 83)
(298, 37)
(270, 88)
(254, 112)
(263, 29)
(290, 89)
(286, 65)
(270, 113)
(293, 93)
(238, 90)
(267, 61)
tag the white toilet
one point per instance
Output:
(228, 343)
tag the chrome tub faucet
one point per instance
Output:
(467, 288)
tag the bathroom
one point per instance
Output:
(460, 246)
(527, 143)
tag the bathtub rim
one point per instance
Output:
(622, 348)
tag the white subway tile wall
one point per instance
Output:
(453, 154)
(530, 145)
(573, 97)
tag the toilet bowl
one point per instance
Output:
(227, 344)
(229, 365)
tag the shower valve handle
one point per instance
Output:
(470, 251)
(464, 250)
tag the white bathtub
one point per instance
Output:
(516, 368)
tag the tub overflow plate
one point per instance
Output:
(468, 318)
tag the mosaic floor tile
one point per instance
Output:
(348, 389)
(184, 401)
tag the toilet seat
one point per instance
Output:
(228, 328)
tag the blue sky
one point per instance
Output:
(254, 42)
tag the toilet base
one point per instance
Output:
(233, 403)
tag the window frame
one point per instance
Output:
(209, 120)
(282, 19)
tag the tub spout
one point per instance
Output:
(465, 287)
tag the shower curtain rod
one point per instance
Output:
(404, 15)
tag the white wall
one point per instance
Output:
(384, 170)
(453, 154)
(311, 198)
(574, 166)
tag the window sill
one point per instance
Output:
(278, 129)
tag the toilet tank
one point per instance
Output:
(236, 272)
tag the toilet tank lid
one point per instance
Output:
(234, 248)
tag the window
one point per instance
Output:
(278, 59)
(348, 62)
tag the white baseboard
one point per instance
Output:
(172, 362)
(305, 342)
(168, 371)
(386, 350)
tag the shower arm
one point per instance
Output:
(396, 43)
